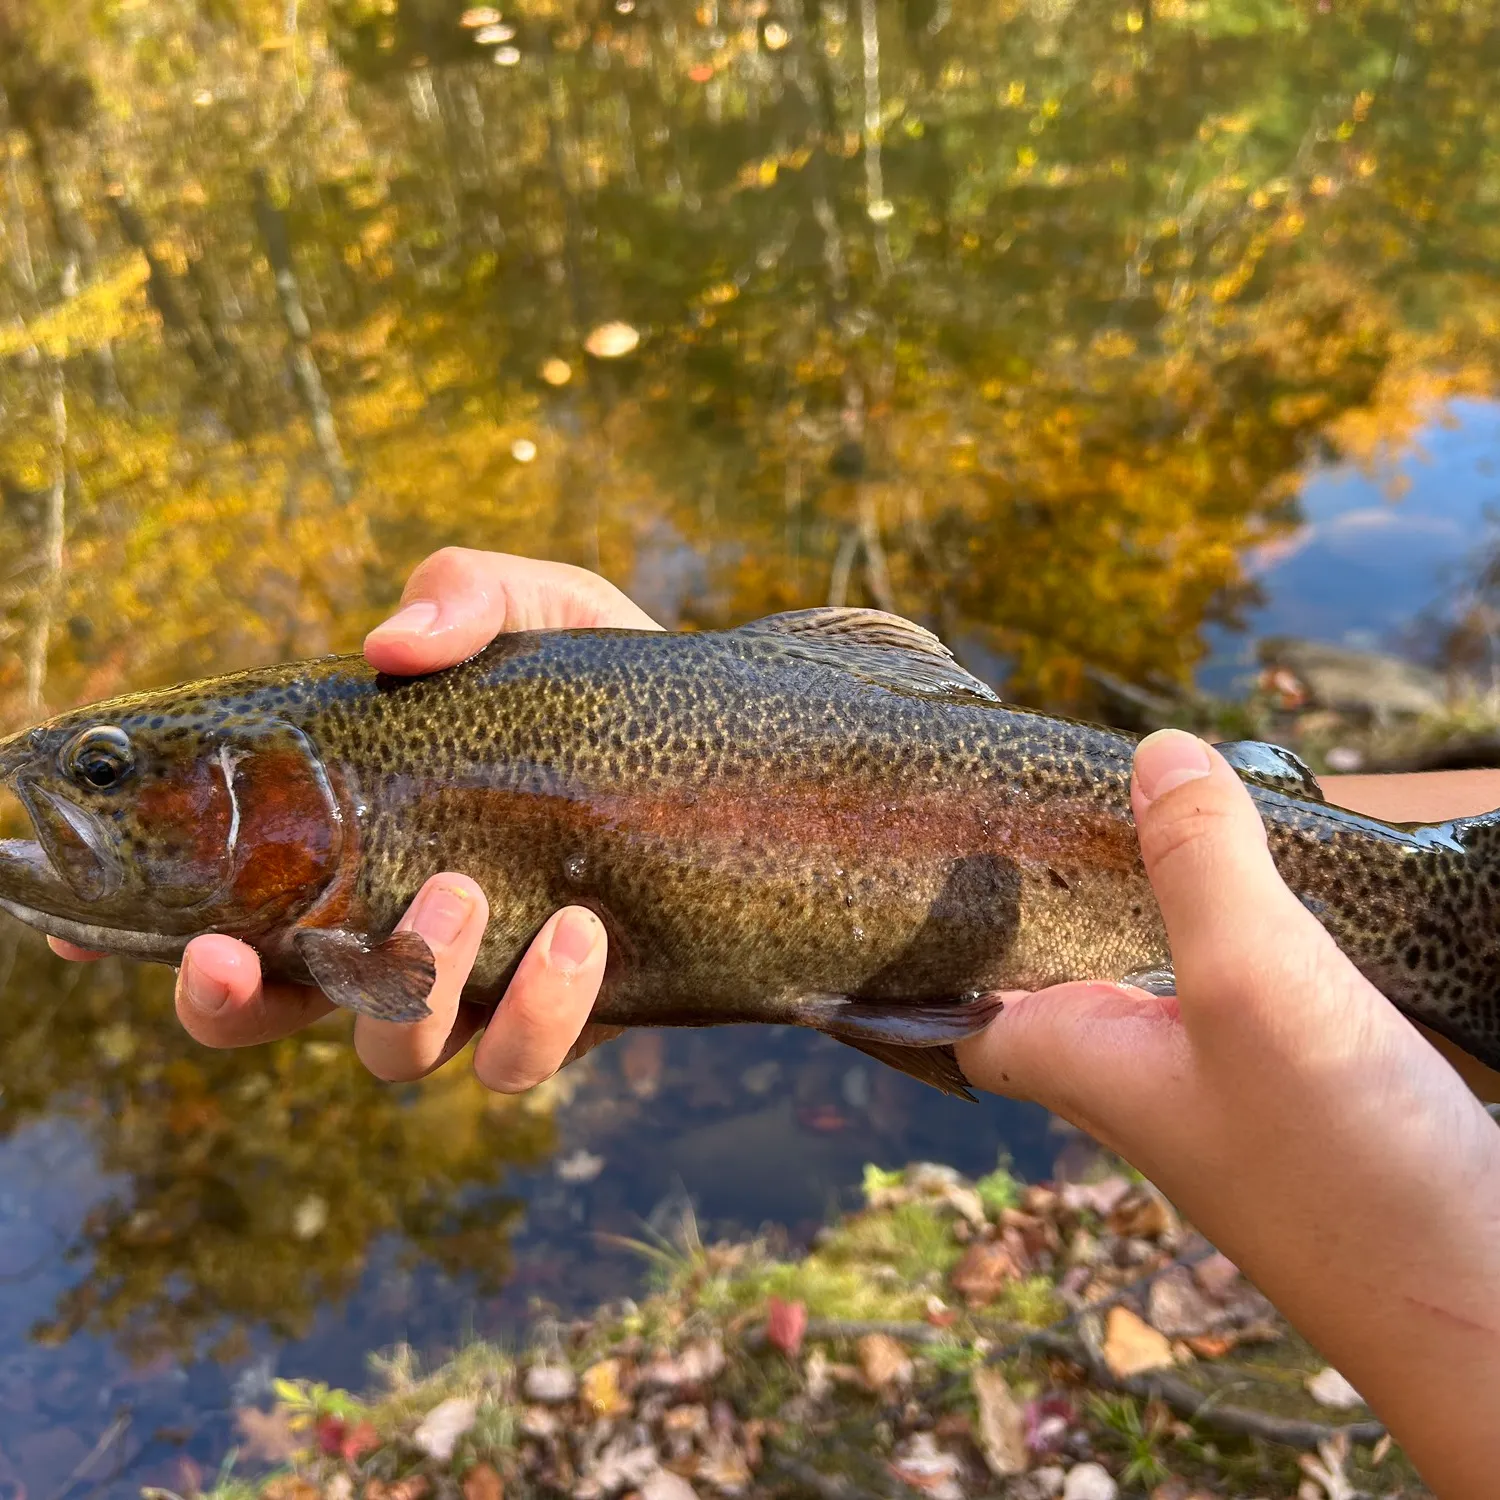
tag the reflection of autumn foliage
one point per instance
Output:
(1024, 323)
(252, 1184)
(1131, 278)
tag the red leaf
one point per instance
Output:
(786, 1322)
(338, 1439)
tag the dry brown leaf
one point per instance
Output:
(482, 1482)
(1144, 1214)
(883, 1362)
(1002, 1424)
(984, 1272)
(267, 1435)
(642, 1057)
(1132, 1346)
(1178, 1308)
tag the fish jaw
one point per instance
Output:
(30, 891)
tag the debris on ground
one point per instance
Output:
(953, 1338)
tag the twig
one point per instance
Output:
(115, 1430)
(825, 1486)
(1194, 1405)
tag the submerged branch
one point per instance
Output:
(305, 372)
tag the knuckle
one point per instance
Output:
(445, 569)
(1185, 824)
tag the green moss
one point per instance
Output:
(1034, 1301)
(998, 1190)
(914, 1239)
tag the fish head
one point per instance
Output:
(157, 817)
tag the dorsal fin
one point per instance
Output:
(1273, 767)
(880, 648)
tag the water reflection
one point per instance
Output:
(1025, 319)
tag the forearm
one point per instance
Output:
(1418, 796)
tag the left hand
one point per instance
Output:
(454, 604)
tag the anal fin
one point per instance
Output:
(914, 1036)
(932, 1065)
(388, 981)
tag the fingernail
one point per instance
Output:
(574, 937)
(1168, 759)
(441, 914)
(416, 618)
(205, 994)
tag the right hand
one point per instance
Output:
(454, 604)
(1293, 1114)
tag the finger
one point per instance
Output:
(221, 1001)
(72, 951)
(459, 600)
(1239, 937)
(450, 912)
(547, 1004)
(1103, 1056)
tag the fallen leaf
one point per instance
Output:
(267, 1434)
(1002, 1424)
(600, 1390)
(986, 1269)
(482, 1482)
(1211, 1345)
(581, 1166)
(337, 1439)
(1048, 1419)
(438, 1434)
(550, 1384)
(883, 1362)
(290, 1487)
(642, 1057)
(1329, 1388)
(695, 1364)
(1216, 1275)
(1132, 1346)
(1327, 1469)
(1178, 1307)
(1100, 1198)
(818, 1374)
(920, 1463)
(786, 1322)
(663, 1484)
(1144, 1214)
(413, 1487)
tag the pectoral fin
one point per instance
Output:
(389, 981)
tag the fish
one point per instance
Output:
(819, 819)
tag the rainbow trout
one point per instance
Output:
(819, 819)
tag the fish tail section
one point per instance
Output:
(1442, 965)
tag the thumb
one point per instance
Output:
(1236, 932)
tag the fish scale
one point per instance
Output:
(819, 818)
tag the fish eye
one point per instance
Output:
(100, 758)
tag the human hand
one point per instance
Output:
(1294, 1115)
(455, 603)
